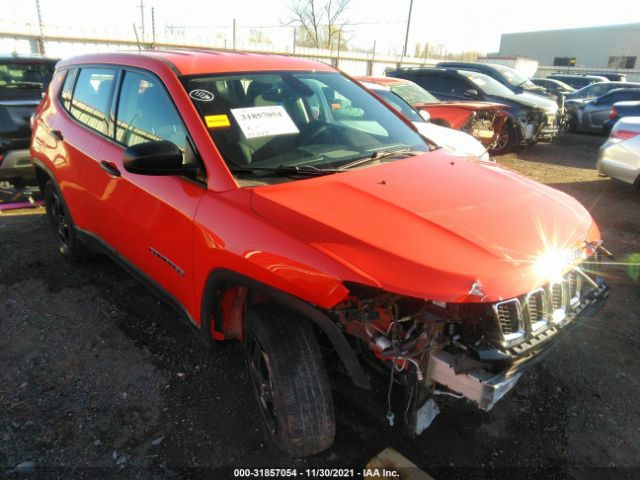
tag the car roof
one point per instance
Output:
(617, 90)
(431, 70)
(27, 58)
(628, 103)
(576, 75)
(195, 62)
(384, 81)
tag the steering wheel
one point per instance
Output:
(316, 129)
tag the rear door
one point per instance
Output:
(77, 138)
(600, 109)
(148, 220)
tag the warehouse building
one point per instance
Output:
(610, 46)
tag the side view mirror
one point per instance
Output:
(426, 116)
(155, 158)
(471, 93)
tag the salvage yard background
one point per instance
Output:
(100, 380)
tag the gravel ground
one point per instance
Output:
(98, 379)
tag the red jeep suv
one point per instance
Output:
(275, 201)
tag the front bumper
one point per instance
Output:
(485, 388)
(16, 164)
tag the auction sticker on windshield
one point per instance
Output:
(264, 121)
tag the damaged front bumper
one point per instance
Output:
(538, 127)
(485, 388)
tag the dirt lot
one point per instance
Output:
(100, 380)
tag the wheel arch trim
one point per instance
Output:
(219, 277)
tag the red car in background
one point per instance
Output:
(483, 120)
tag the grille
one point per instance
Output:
(556, 296)
(509, 316)
(536, 303)
(574, 286)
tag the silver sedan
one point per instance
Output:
(619, 156)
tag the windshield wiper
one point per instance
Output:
(305, 170)
(379, 155)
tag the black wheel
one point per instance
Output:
(71, 248)
(506, 141)
(572, 123)
(289, 380)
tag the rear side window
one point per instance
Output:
(454, 86)
(431, 83)
(67, 88)
(146, 113)
(92, 97)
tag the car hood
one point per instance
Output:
(430, 226)
(456, 140)
(531, 100)
(466, 105)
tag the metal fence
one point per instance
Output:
(353, 63)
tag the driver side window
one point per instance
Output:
(145, 113)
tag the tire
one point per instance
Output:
(506, 140)
(69, 245)
(572, 123)
(289, 380)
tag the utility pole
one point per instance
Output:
(294, 40)
(406, 37)
(141, 7)
(41, 39)
(153, 25)
(234, 34)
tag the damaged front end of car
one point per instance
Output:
(472, 349)
(537, 125)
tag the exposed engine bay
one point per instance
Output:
(474, 351)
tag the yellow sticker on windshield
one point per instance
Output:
(217, 121)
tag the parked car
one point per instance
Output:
(22, 81)
(482, 120)
(620, 110)
(532, 118)
(455, 140)
(612, 76)
(589, 116)
(577, 80)
(598, 89)
(268, 197)
(619, 156)
(510, 78)
(555, 87)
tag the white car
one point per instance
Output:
(455, 140)
(619, 156)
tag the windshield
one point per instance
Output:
(400, 104)
(295, 120)
(22, 74)
(514, 77)
(487, 84)
(413, 93)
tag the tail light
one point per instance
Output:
(613, 113)
(624, 134)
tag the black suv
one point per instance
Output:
(532, 118)
(510, 78)
(22, 81)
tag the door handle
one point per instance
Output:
(57, 134)
(110, 168)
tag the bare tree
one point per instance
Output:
(320, 21)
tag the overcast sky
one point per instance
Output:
(459, 24)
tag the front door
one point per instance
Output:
(149, 219)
